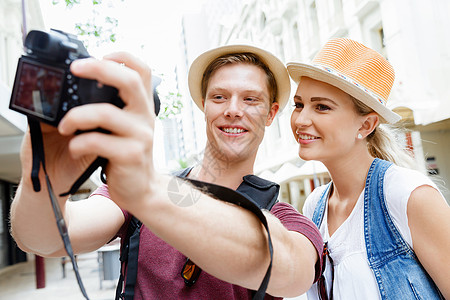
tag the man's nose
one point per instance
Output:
(235, 108)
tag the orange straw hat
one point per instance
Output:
(355, 69)
(275, 65)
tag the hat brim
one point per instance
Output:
(200, 64)
(297, 70)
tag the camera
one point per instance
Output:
(45, 89)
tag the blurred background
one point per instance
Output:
(169, 35)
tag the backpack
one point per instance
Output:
(262, 194)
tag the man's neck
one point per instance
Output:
(222, 171)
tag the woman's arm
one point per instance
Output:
(429, 222)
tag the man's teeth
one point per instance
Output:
(233, 130)
(306, 137)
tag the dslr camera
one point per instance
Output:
(45, 89)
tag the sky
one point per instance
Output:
(149, 29)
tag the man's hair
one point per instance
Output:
(235, 58)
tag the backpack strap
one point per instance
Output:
(263, 193)
(228, 195)
(129, 254)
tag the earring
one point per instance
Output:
(360, 136)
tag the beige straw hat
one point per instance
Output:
(200, 64)
(355, 69)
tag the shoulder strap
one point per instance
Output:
(231, 196)
(253, 194)
(129, 254)
(263, 193)
(320, 206)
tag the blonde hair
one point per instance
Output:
(384, 141)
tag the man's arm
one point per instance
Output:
(91, 223)
(227, 241)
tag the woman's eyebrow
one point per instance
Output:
(323, 99)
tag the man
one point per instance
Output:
(240, 89)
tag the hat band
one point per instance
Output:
(350, 80)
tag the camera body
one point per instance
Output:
(45, 89)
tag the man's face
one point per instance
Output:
(237, 109)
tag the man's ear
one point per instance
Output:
(203, 105)
(272, 113)
(370, 122)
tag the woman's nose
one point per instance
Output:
(302, 118)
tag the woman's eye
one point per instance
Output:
(322, 107)
(298, 105)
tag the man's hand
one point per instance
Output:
(129, 145)
(128, 148)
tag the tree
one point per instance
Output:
(100, 29)
(97, 28)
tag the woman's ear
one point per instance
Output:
(370, 122)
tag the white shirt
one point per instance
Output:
(347, 246)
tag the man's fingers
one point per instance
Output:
(134, 63)
(120, 150)
(132, 89)
(102, 115)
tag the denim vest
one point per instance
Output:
(397, 270)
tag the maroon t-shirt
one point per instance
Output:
(160, 264)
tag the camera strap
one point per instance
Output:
(98, 162)
(37, 147)
(220, 192)
(228, 195)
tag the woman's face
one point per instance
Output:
(324, 122)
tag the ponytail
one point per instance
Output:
(385, 142)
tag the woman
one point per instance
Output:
(386, 227)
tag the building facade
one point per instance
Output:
(12, 125)
(16, 20)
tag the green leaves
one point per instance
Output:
(97, 28)
(171, 105)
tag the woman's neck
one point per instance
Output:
(349, 176)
